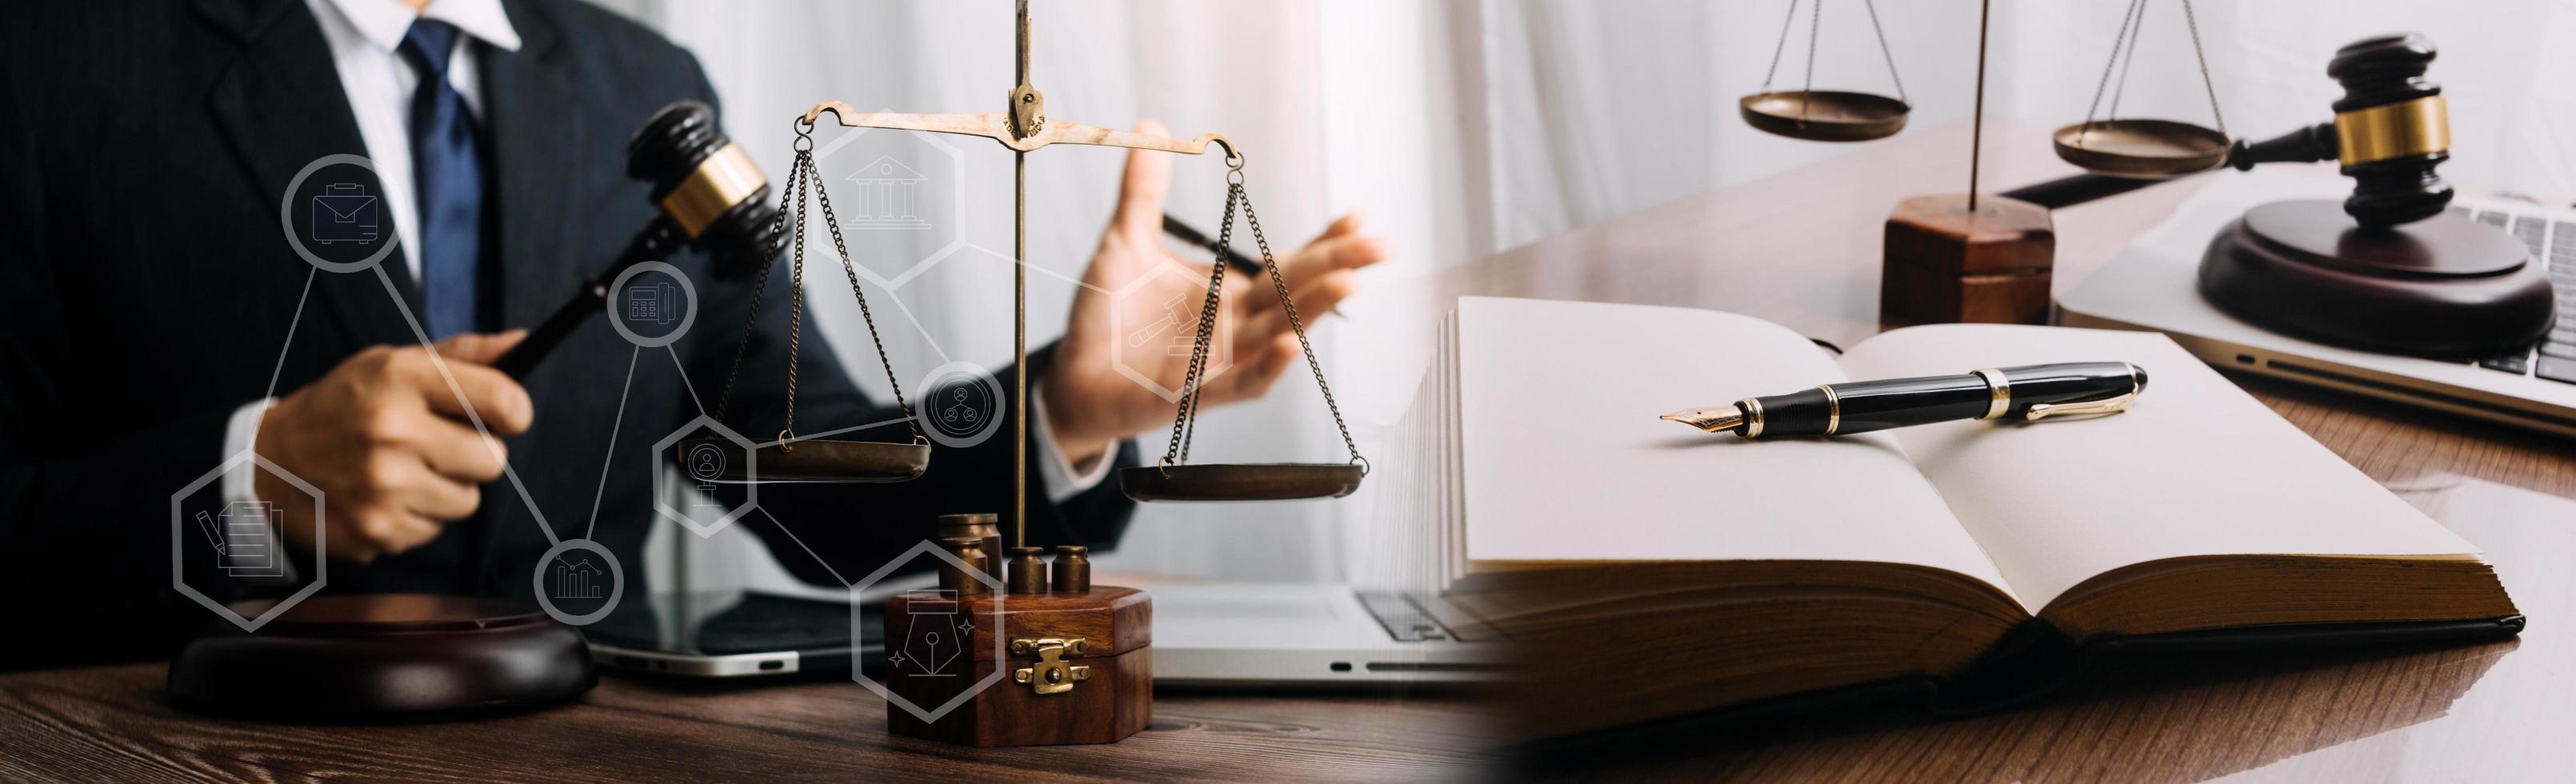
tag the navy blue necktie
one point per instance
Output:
(447, 172)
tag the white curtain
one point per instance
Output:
(1470, 126)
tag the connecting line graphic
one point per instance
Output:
(683, 369)
(291, 324)
(916, 325)
(632, 357)
(851, 429)
(809, 552)
(470, 415)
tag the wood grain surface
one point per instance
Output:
(112, 724)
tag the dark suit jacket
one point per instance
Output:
(147, 290)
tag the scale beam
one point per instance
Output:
(997, 127)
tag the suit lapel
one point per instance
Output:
(280, 106)
(535, 137)
(537, 151)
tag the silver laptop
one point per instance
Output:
(2152, 285)
(1312, 635)
(1220, 634)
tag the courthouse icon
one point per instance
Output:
(889, 196)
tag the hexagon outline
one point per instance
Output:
(178, 528)
(858, 621)
(750, 474)
(1118, 348)
(957, 172)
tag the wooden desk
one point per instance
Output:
(1801, 248)
(112, 723)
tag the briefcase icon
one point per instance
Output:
(344, 213)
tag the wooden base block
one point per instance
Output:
(1943, 264)
(1110, 670)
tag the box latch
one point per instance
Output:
(1051, 674)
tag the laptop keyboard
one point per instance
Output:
(2554, 244)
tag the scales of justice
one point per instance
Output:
(2387, 269)
(1075, 655)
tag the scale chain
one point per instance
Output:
(1185, 422)
(796, 301)
(832, 223)
(759, 290)
(1786, 24)
(1885, 52)
(2205, 83)
(2105, 84)
(2129, 60)
(793, 200)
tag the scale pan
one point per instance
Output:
(2144, 149)
(820, 460)
(1824, 115)
(1241, 482)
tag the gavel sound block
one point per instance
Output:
(2387, 269)
(1942, 263)
(1075, 660)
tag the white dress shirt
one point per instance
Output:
(365, 36)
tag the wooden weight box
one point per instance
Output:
(1944, 264)
(1076, 665)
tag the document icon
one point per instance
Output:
(245, 540)
(344, 213)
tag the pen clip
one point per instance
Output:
(2108, 405)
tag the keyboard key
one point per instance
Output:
(2556, 369)
(2494, 218)
(2510, 363)
(2533, 233)
(2559, 350)
(2463, 211)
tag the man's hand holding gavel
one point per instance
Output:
(388, 443)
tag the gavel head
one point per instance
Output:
(2392, 128)
(708, 187)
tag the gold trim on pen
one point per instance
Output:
(1998, 391)
(1752, 416)
(1833, 409)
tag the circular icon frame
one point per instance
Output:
(928, 407)
(616, 582)
(286, 215)
(617, 296)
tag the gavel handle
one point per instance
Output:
(656, 241)
(2305, 145)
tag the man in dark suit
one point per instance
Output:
(150, 308)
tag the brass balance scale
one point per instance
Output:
(2103, 144)
(1023, 129)
(2390, 270)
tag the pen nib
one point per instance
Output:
(1715, 420)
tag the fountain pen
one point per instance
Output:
(2026, 393)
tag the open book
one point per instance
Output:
(1648, 569)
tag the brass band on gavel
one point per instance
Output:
(2396, 130)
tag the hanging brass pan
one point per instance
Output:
(818, 460)
(2149, 149)
(1824, 115)
(1241, 481)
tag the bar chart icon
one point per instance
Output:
(579, 580)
